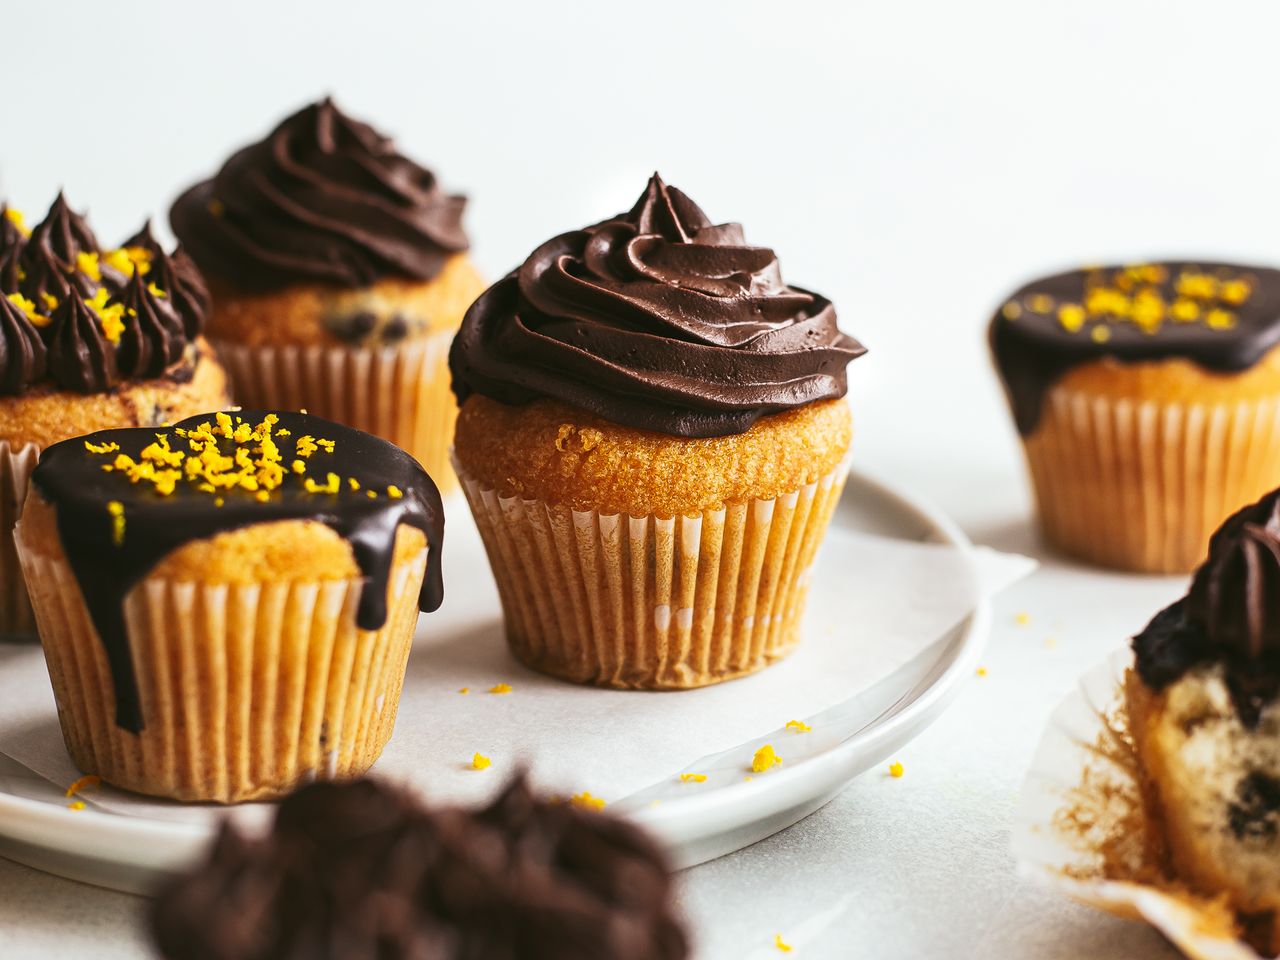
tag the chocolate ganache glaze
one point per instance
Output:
(165, 488)
(361, 870)
(1231, 614)
(103, 316)
(1221, 316)
(324, 198)
(656, 319)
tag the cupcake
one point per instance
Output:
(362, 870)
(339, 276)
(652, 440)
(1148, 400)
(1204, 711)
(90, 338)
(226, 605)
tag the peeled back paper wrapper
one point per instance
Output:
(1082, 828)
(245, 690)
(16, 464)
(401, 393)
(653, 602)
(1142, 485)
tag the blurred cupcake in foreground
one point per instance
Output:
(1204, 710)
(339, 276)
(1148, 400)
(360, 869)
(227, 605)
(652, 440)
(91, 337)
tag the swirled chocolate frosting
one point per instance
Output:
(104, 316)
(1231, 614)
(360, 870)
(127, 498)
(323, 199)
(656, 319)
(1221, 316)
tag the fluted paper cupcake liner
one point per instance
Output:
(1141, 486)
(653, 602)
(16, 464)
(245, 690)
(401, 394)
(1081, 826)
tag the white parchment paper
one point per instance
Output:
(875, 603)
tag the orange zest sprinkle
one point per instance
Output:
(585, 801)
(765, 758)
(84, 783)
(693, 778)
(799, 726)
(480, 762)
(500, 688)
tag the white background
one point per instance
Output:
(913, 161)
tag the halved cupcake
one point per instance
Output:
(1204, 710)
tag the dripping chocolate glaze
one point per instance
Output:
(1230, 615)
(72, 480)
(1034, 350)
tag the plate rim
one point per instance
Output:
(151, 843)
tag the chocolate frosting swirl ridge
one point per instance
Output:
(656, 319)
(324, 198)
(153, 336)
(360, 870)
(1231, 614)
(80, 357)
(22, 352)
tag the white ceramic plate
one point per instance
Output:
(133, 853)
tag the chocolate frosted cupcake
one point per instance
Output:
(227, 605)
(339, 276)
(1148, 399)
(652, 441)
(359, 869)
(1204, 709)
(90, 338)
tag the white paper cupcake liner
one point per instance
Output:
(653, 602)
(245, 690)
(1080, 824)
(16, 464)
(1142, 486)
(401, 393)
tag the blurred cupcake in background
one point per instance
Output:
(1148, 400)
(652, 439)
(339, 275)
(91, 338)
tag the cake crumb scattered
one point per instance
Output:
(765, 758)
(480, 762)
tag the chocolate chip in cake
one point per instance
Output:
(1256, 812)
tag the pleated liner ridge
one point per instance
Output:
(16, 464)
(1142, 485)
(401, 394)
(652, 602)
(246, 690)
